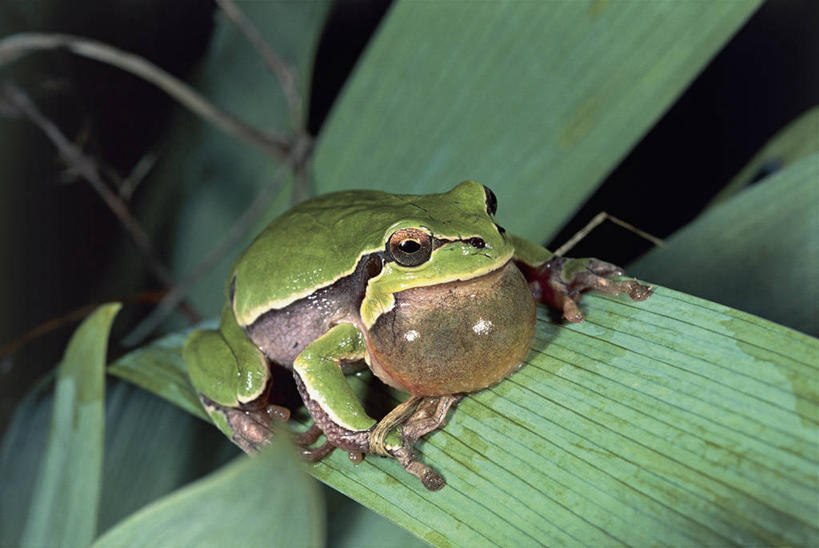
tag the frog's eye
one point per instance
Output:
(491, 201)
(410, 246)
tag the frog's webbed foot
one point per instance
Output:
(415, 417)
(251, 424)
(561, 281)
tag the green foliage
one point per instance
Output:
(249, 502)
(674, 420)
(757, 251)
(671, 421)
(538, 100)
(64, 505)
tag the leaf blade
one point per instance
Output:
(537, 100)
(731, 254)
(66, 495)
(249, 502)
(671, 421)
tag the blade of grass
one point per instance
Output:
(66, 495)
(538, 100)
(798, 139)
(250, 502)
(758, 251)
(673, 421)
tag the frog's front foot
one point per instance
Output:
(251, 425)
(561, 281)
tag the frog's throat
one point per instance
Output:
(379, 296)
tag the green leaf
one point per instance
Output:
(352, 525)
(66, 494)
(158, 368)
(671, 421)
(538, 100)
(168, 453)
(798, 139)
(250, 502)
(758, 251)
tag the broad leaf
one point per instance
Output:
(268, 500)
(758, 251)
(538, 100)
(66, 494)
(671, 421)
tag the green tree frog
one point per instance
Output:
(429, 291)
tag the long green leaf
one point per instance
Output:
(538, 99)
(798, 139)
(672, 421)
(151, 448)
(758, 251)
(66, 495)
(265, 501)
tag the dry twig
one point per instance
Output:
(18, 45)
(84, 166)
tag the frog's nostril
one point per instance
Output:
(477, 242)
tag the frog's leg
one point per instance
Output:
(232, 378)
(560, 281)
(336, 409)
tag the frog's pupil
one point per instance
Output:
(477, 242)
(409, 246)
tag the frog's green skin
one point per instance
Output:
(324, 285)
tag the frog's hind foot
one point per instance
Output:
(431, 479)
(417, 417)
(561, 281)
(251, 425)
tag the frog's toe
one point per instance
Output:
(604, 269)
(251, 428)
(560, 282)
(317, 453)
(431, 479)
(308, 437)
(584, 281)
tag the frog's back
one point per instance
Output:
(322, 240)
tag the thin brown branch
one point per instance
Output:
(85, 167)
(275, 64)
(18, 45)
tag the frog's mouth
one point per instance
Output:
(454, 337)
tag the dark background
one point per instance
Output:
(765, 77)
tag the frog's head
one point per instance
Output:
(446, 238)
(449, 312)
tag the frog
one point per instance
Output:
(427, 291)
